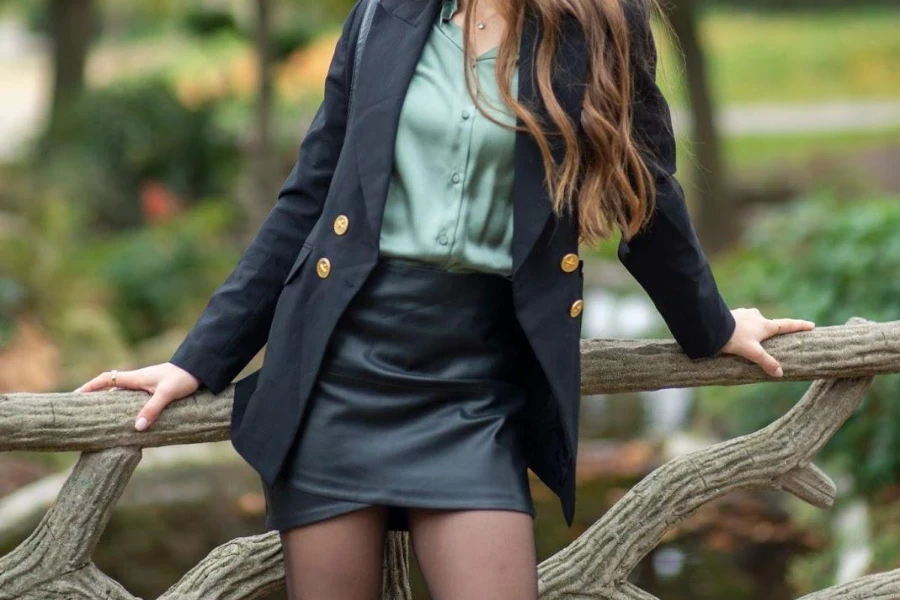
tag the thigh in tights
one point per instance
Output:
(475, 554)
(463, 555)
(339, 558)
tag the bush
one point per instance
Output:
(205, 23)
(814, 5)
(290, 39)
(117, 139)
(823, 260)
(11, 295)
(158, 275)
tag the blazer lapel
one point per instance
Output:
(397, 37)
(532, 205)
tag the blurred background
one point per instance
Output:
(142, 143)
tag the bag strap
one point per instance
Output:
(360, 44)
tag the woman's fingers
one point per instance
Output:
(129, 380)
(758, 354)
(165, 382)
(752, 328)
(100, 382)
(779, 326)
(153, 407)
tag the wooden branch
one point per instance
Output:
(245, 568)
(97, 420)
(883, 586)
(777, 457)
(94, 421)
(252, 567)
(396, 567)
(626, 591)
(54, 561)
(858, 349)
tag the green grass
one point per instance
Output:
(794, 57)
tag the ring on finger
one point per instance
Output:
(112, 377)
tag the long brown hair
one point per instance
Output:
(604, 178)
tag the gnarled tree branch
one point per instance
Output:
(54, 560)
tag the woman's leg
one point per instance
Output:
(339, 558)
(475, 554)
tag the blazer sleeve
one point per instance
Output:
(665, 257)
(234, 326)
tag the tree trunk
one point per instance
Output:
(715, 219)
(262, 186)
(72, 29)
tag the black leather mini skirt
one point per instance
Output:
(418, 403)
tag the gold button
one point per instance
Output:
(569, 262)
(576, 307)
(340, 224)
(323, 267)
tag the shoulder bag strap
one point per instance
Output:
(360, 44)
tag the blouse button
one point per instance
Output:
(323, 267)
(455, 178)
(466, 114)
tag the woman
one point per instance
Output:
(428, 354)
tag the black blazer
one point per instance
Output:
(277, 296)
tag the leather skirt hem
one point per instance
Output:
(329, 506)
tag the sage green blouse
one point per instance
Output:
(449, 200)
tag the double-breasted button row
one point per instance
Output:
(323, 266)
(569, 264)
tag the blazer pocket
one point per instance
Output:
(298, 262)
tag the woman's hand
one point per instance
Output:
(751, 328)
(165, 382)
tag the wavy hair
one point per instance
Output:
(604, 178)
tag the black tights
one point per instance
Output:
(463, 555)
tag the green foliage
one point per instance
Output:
(790, 5)
(11, 294)
(107, 293)
(287, 40)
(207, 22)
(817, 570)
(156, 275)
(825, 260)
(119, 138)
(36, 251)
(885, 518)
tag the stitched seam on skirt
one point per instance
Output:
(452, 384)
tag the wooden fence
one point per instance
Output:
(55, 560)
